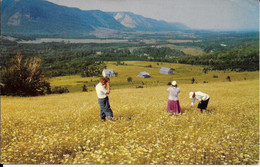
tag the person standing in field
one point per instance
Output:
(174, 106)
(103, 90)
(203, 100)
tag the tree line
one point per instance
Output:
(246, 59)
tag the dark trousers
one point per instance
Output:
(105, 109)
(203, 104)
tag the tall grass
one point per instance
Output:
(65, 129)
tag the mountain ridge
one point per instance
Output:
(139, 22)
(44, 17)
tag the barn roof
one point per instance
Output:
(108, 70)
(166, 68)
(144, 73)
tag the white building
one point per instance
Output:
(108, 73)
(165, 70)
(144, 74)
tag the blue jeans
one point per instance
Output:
(105, 110)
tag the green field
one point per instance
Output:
(182, 74)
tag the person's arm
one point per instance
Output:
(193, 101)
(108, 87)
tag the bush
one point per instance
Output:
(84, 88)
(24, 78)
(228, 78)
(129, 79)
(205, 70)
(60, 90)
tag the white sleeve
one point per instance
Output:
(103, 89)
(205, 97)
(169, 89)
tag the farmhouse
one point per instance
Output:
(144, 74)
(165, 70)
(108, 73)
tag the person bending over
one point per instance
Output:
(203, 99)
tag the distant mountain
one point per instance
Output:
(43, 17)
(140, 23)
(39, 17)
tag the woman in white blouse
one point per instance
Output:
(203, 99)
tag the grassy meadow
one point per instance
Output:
(183, 74)
(65, 129)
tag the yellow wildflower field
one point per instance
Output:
(66, 129)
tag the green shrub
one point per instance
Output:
(129, 79)
(24, 78)
(60, 90)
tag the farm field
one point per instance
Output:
(183, 74)
(65, 129)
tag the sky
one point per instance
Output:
(196, 14)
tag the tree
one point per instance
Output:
(24, 78)
(84, 88)
(205, 70)
(118, 62)
(93, 70)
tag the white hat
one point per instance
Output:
(174, 83)
(191, 94)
